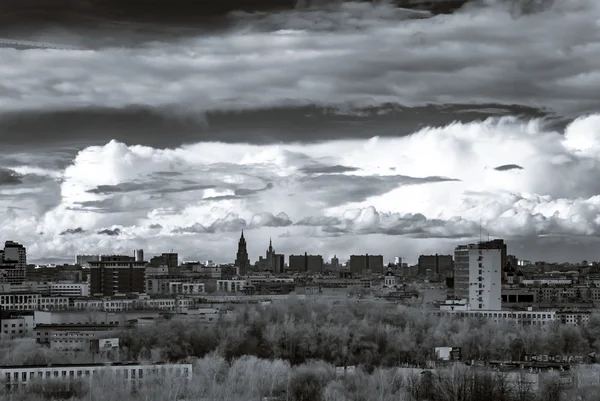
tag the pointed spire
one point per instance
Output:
(242, 237)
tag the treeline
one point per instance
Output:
(251, 378)
(361, 334)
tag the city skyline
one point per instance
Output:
(381, 134)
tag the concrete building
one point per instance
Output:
(20, 301)
(72, 336)
(132, 373)
(116, 277)
(366, 264)
(273, 262)
(13, 251)
(306, 263)
(69, 289)
(16, 324)
(236, 286)
(478, 274)
(435, 265)
(173, 285)
(11, 273)
(83, 260)
(139, 255)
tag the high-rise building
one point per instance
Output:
(478, 274)
(139, 255)
(111, 276)
(13, 251)
(242, 262)
(435, 265)
(306, 263)
(366, 264)
(272, 261)
(169, 260)
(335, 263)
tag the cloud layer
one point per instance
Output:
(356, 54)
(518, 178)
(381, 169)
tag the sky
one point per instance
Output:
(339, 130)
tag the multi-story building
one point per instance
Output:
(10, 272)
(16, 324)
(13, 251)
(478, 274)
(132, 373)
(83, 260)
(273, 262)
(242, 262)
(72, 336)
(231, 285)
(366, 264)
(69, 289)
(435, 265)
(116, 277)
(20, 301)
(306, 263)
(170, 260)
(173, 285)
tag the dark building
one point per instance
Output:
(112, 277)
(242, 262)
(273, 262)
(306, 263)
(366, 264)
(171, 260)
(435, 265)
(10, 272)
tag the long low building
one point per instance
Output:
(131, 372)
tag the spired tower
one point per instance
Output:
(242, 262)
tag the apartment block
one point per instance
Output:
(116, 277)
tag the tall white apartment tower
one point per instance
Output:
(478, 274)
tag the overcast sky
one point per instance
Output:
(350, 130)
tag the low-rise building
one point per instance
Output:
(15, 377)
(16, 324)
(72, 337)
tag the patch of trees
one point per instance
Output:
(362, 334)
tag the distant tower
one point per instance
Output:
(335, 262)
(242, 262)
(139, 255)
(270, 256)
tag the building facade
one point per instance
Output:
(13, 251)
(366, 264)
(478, 274)
(116, 277)
(306, 263)
(435, 265)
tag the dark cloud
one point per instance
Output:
(120, 188)
(335, 189)
(507, 167)
(163, 128)
(241, 192)
(9, 177)
(155, 226)
(233, 223)
(110, 232)
(337, 169)
(73, 231)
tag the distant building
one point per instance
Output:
(335, 263)
(83, 260)
(139, 255)
(109, 278)
(273, 262)
(10, 272)
(242, 262)
(478, 274)
(435, 265)
(366, 264)
(170, 260)
(13, 251)
(306, 263)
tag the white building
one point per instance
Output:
(525, 318)
(70, 289)
(231, 285)
(20, 301)
(16, 325)
(15, 377)
(478, 276)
